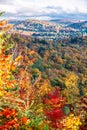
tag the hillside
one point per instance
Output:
(79, 25)
(62, 29)
(57, 58)
(37, 28)
(43, 82)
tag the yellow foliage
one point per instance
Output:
(71, 122)
(6, 65)
(3, 22)
(1, 93)
(18, 58)
(43, 88)
(4, 26)
(71, 91)
(71, 80)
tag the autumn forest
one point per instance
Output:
(43, 83)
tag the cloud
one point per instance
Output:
(39, 8)
(5, 2)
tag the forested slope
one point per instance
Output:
(43, 84)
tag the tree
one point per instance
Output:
(71, 91)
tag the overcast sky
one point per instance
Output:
(45, 9)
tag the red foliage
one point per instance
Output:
(85, 125)
(82, 128)
(24, 120)
(8, 113)
(54, 104)
(9, 125)
(9, 119)
(84, 102)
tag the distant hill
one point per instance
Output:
(15, 22)
(36, 28)
(35, 25)
(64, 21)
(79, 25)
(54, 29)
